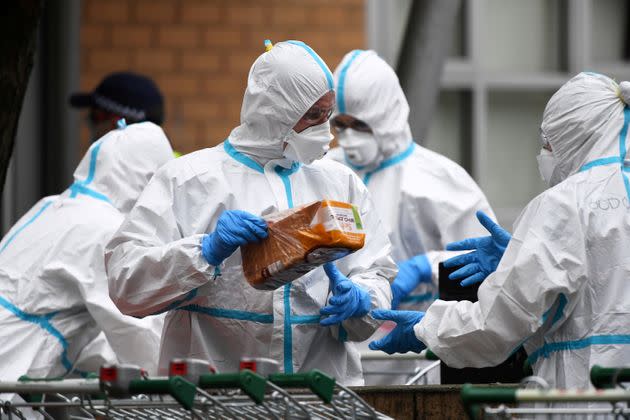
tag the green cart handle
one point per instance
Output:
(177, 387)
(602, 377)
(472, 396)
(247, 381)
(319, 383)
(431, 356)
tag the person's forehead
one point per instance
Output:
(326, 101)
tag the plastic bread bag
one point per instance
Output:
(300, 240)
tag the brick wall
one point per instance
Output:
(200, 51)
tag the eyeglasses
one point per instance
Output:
(317, 114)
(355, 124)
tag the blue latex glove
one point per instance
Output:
(234, 228)
(402, 339)
(488, 250)
(348, 300)
(411, 273)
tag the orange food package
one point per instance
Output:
(300, 240)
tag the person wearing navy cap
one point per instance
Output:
(131, 96)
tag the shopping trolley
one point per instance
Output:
(611, 401)
(414, 376)
(191, 391)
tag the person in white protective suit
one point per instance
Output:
(561, 286)
(178, 248)
(56, 317)
(424, 199)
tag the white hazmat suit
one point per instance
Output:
(424, 199)
(562, 284)
(55, 313)
(155, 262)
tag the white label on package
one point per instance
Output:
(337, 218)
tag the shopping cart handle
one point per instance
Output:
(602, 377)
(319, 383)
(431, 356)
(472, 396)
(176, 386)
(247, 381)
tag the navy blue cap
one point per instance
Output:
(130, 95)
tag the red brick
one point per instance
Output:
(293, 14)
(352, 39)
(219, 37)
(205, 12)
(241, 62)
(153, 60)
(213, 133)
(223, 85)
(178, 36)
(155, 11)
(200, 109)
(246, 15)
(182, 134)
(94, 35)
(178, 85)
(327, 16)
(107, 60)
(113, 11)
(199, 60)
(200, 51)
(131, 36)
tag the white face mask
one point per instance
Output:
(546, 165)
(360, 148)
(309, 145)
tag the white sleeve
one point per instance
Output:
(372, 267)
(135, 341)
(543, 260)
(151, 267)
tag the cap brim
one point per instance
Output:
(81, 100)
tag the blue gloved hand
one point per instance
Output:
(488, 250)
(234, 228)
(402, 339)
(411, 273)
(348, 300)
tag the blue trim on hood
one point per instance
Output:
(622, 153)
(318, 60)
(341, 85)
(240, 157)
(81, 187)
(78, 188)
(394, 160)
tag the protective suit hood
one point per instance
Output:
(119, 165)
(368, 89)
(583, 121)
(283, 83)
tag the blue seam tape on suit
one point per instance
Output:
(622, 153)
(25, 225)
(42, 321)
(240, 157)
(595, 340)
